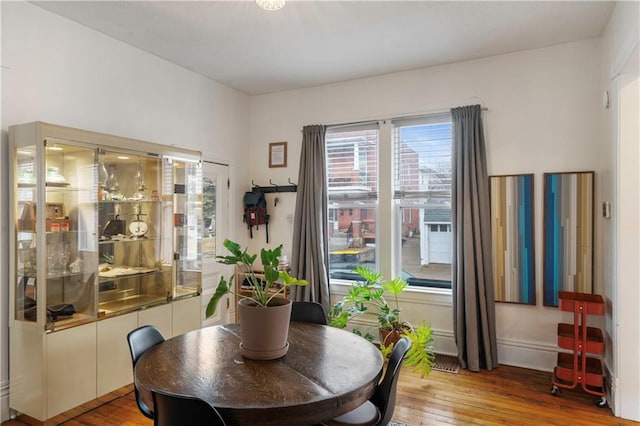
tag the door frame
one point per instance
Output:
(211, 270)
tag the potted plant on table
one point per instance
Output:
(367, 297)
(264, 314)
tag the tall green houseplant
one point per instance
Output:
(367, 297)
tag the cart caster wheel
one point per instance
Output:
(554, 390)
(602, 402)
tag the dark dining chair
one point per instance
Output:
(141, 340)
(181, 410)
(379, 409)
(308, 312)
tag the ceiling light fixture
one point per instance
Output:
(271, 4)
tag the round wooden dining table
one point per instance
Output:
(325, 373)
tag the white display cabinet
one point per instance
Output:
(108, 236)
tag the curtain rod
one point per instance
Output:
(403, 117)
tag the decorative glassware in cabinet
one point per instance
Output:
(135, 267)
(188, 226)
(70, 238)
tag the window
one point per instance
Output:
(352, 173)
(419, 221)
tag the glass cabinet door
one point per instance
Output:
(135, 267)
(188, 226)
(70, 237)
(27, 267)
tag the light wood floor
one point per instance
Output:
(504, 396)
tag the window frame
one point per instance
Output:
(388, 258)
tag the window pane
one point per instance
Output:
(352, 240)
(352, 172)
(352, 164)
(426, 249)
(422, 159)
(209, 193)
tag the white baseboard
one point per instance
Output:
(5, 413)
(533, 355)
(611, 388)
(518, 353)
(444, 343)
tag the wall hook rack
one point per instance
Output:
(274, 188)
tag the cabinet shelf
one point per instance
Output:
(129, 201)
(128, 240)
(61, 233)
(120, 272)
(57, 184)
(47, 184)
(53, 188)
(62, 324)
(125, 305)
(53, 276)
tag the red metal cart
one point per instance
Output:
(576, 367)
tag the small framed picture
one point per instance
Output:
(55, 210)
(278, 154)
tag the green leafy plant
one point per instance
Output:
(367, 297)
(420, 356)
(263, 289)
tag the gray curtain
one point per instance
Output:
(472, 281)
(310, 249)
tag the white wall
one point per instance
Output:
(57, 71)
(544, 116)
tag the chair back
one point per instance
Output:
(181, 410)
(385, 395)
(312, 312)
(141, 340)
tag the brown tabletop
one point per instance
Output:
(326, 372)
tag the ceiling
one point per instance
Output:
(310, 43)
